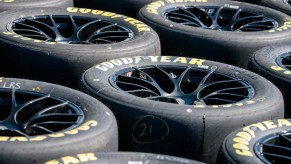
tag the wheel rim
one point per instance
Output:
(26, 113)
(220, 18)
(70, 29)
(284, 60)
(182, 85)
(275, 148)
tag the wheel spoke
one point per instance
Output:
(151, 80)
(278, 157)
(53, 123)
(21, 133)
(101, 40)
(131, 86)
(217, 14)
(41, 113)
(219, 99)
(143, 93)
(87, 26)
(207, 78)
(144, 83)
(39, 25)
(13, 101)
(32, 28)
(165, 73)
(74, 23)
(183, 76)
(193, 17)
(230, 89)
(164, 99)
(224, 81)
(41, 128)
(236, 16)
(284, 140)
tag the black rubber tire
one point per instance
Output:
(183, 130)
(125, 7)
(97, 133)
(224, 46)
(274, 4)
(21, 4)
(249, 1)
(64, 63)
(263, 62)
(122, 158)
(247, 139)
(278, 5)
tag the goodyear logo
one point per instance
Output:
(242, 138)
(26, 38)
(79, 158)
(153, 7)
(284, 27)
(84, 127)
(280, 69)
(138, 24)
(164, 59)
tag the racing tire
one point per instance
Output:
(174, 111)
(224, 31)
(21, 4)
(263, 142)
(272, 63)
(41, 121)
(122, 158)
(58, 44)
(280, 5)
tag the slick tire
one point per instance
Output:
(227, 46)
(281, 5)
(21, 4)
(122, 158)
(67, 49)
(176, 123)
(42, 121)
(272, 63)
(125, 7)
(258, 143)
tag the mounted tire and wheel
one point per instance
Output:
(58, 44)
(262, 142)
(41, 121)
(180, 106)
(224, 31)
(273, 63)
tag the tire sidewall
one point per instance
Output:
(278, 5)
(265, 59)
(20, 4)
